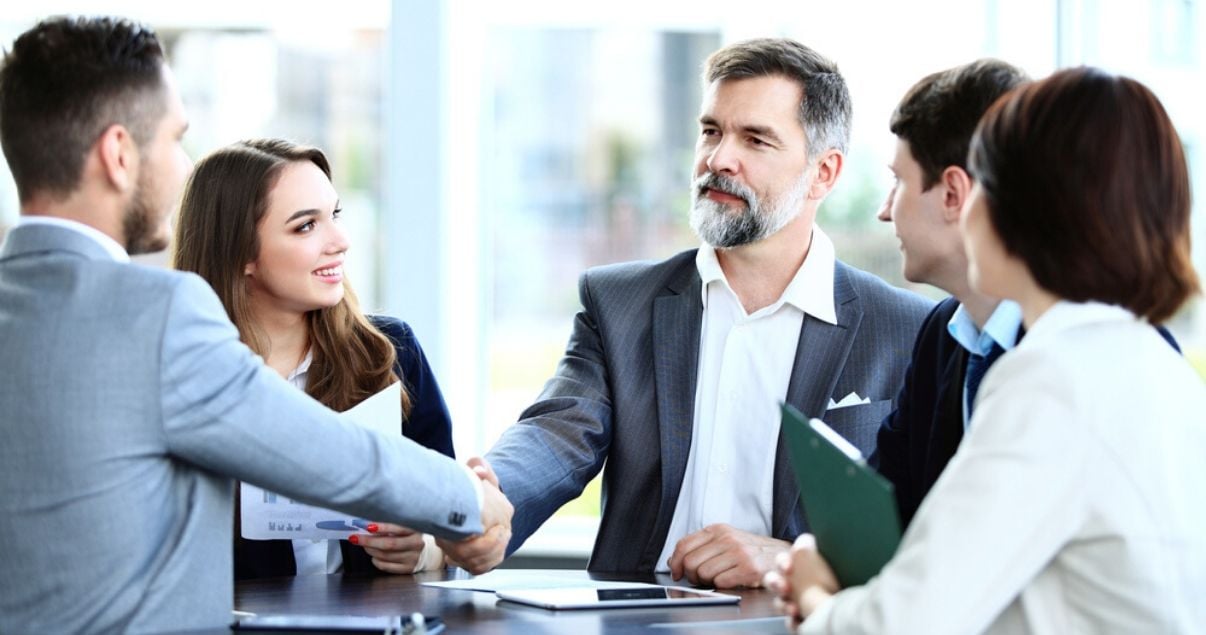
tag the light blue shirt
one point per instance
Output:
(1002, 328)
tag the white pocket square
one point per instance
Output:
(849, 400)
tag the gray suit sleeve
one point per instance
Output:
(224, 410)
(560, 442)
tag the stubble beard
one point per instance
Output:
(140, 223)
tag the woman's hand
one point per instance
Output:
(398, 549)
(802, 580)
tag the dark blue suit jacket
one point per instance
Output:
(429, 425)
(918, 439)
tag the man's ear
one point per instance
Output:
(956, 186)
(827, 170)
(118, 156)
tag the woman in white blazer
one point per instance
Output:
(1076, 502)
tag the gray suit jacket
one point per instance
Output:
(625, 393)
(128, 407)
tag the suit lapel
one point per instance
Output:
(820, 357)
(677, 318)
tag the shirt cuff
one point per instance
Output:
(477, 487)
(818, 622)
(432, 557)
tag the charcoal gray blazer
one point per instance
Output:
(624, 395)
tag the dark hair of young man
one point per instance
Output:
(63, 83)
(825, 110)
(939, 113)
(1086, 182)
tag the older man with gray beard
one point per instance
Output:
(674, 371)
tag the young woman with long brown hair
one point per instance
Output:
(260, 222)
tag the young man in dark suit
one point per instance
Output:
(967, 332)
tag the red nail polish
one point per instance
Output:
(372, 528)
(354, 539)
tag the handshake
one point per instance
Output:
(479, 554)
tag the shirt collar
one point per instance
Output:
(810, 290)
(110, 246)
(302, 368)
(1001, 328)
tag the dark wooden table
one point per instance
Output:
(480, 612)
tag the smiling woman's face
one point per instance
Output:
(299, 267)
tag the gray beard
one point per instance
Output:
(723, 227)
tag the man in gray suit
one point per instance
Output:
(675, 369)
(129, 404)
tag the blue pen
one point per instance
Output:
(334, 525)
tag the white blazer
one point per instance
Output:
(1076, 504)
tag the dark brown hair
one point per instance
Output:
(938, 115)
(216, 236)
(825, 109)
(63, 83)
(1086, 182)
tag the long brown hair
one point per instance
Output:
(216, 236)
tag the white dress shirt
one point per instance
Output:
(313, 556)
(745, 365)
(1074, 505)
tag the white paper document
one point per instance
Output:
(266, 516)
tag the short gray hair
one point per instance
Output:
(825, 110)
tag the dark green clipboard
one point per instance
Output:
(851, 509)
